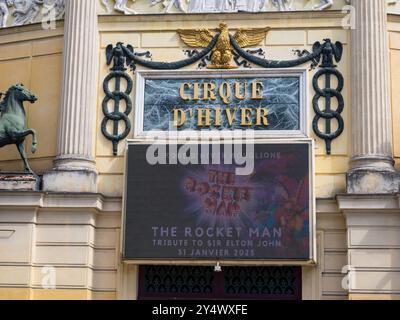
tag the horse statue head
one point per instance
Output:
(13, 124)
(23, 94)
(16, 92)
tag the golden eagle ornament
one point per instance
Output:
(221, 55)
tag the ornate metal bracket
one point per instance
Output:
(322, 56)
(117, 73)
(328, 70)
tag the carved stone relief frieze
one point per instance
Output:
(20, 12)
(209, 6)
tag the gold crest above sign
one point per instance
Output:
(221, 55)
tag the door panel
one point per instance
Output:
(186, 282)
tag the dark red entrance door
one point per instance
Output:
(184, 282)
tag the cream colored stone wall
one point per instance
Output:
(373, 242)
(394, 8)
(332, 244)
(394, 44)
(294, 31)
(34, 57)
(76, 236)
(79, 236)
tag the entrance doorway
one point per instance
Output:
(187, 282)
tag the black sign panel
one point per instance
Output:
(211, 212)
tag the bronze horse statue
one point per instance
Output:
(13, 125)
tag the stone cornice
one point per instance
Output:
(275, 15)
(29, 32)
(369, 203)
(92, 201)
(97, 201)
(394, 17)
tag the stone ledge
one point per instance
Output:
(76, 181)
(372, 182)
(19, 182)
(31, 199)
(369, 202)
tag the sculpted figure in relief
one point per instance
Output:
(255, 5)
(168, 6)
(197, 6)
(57, 5)
(286, 5)
(120, 5)
(225, 5)
(4, 12)
(26, 11)
(204, 6)
(325, 4)
(200, 6)
(283, 5)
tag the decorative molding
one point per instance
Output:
(368, 203)
(78, 201)
(225, 6)
(322, 56)
(21, 12)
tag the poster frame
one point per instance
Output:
(312, 259)
(143, 75)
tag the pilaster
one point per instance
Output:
(372, 165)
(75, 169)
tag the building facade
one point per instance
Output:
(64, 234)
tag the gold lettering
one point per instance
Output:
(225, 92)
(238, 95)
(196, 91)
(230, 115)
(217, 117)
(203, 117)
(246, 117)
(257, 90)
(262, 119)
(182, 91)
(209, 89)
(179, 117)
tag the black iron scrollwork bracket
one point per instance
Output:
(322, 57)
(117, 96)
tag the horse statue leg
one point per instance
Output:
(34, 138)
(22, 152)
(21, 147)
